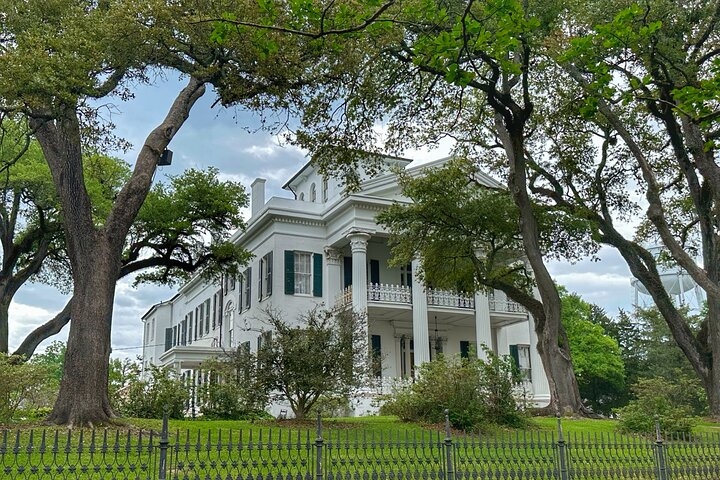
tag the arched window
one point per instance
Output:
(313, 194)
(301, 197)
(324, 190)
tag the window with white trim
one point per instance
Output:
(265, 277)
(324, 190)
(313, 193)
(303, 273)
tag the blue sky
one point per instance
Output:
(228, 139)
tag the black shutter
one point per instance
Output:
(374, 272)
(515, 354)
(248, 298)
(317, 275)
(269, 273)
(289, 272)
(260, 278)
(464, 349)
(376, 348)
(168, 338)
(347, 272)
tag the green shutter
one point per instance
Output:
(464, 349)
(515, 354)
(289, 272)
(317, 275)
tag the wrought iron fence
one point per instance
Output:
(353, 454)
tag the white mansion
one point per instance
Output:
(323, 246)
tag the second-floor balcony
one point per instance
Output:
(402, 295)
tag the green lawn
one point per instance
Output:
(365, 446)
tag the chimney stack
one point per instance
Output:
(257, 199)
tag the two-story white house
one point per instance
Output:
(322, 245)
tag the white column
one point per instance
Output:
(540, 386)
(421, 338)
(483, 332)
(333, 278)
(358, 246)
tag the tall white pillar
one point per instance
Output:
(540, 386)
(421, 338)
(358, 246)
(483, 332)
(333, 277)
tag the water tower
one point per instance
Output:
(678, 284)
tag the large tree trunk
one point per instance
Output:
(95, 253)
(4, 324)
(553, 345)
(83, 397)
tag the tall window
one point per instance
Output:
(303, 273)
(313, 193)
(265, 277)
(207, 316)
(301, 197)
(248, 288)
(324, 190)
(406, 275)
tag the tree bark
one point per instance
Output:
(95, 253)
(553, 346)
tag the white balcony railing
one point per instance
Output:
(448, 298)
(379, 292)
(507, 306)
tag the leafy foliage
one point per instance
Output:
(24, 385)
(235, 390)
(320, 354)
(657, 399)
(162, 392)
(476, 393)
(596, 356)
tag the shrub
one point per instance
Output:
(234, 392)
(657, 398)
(25, 386)
(474, 392)
(150, 398)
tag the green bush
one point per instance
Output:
(661, 399)
(150, 398)
(475, 393)
(25, 387)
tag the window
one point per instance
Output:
(168, 338)
(183, 332)
(265, 277)
(301, 197)
(303, 273)
(231, 286)
(376, 348)
(207, 316)
(248, 288)
(324, 190)
(406, 275)
(231, 338)
(201, 318)
(152, 331)
(313, 193)
(521, 356)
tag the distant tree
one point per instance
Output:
(321, 353)
(122, 374)
(597, 358)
